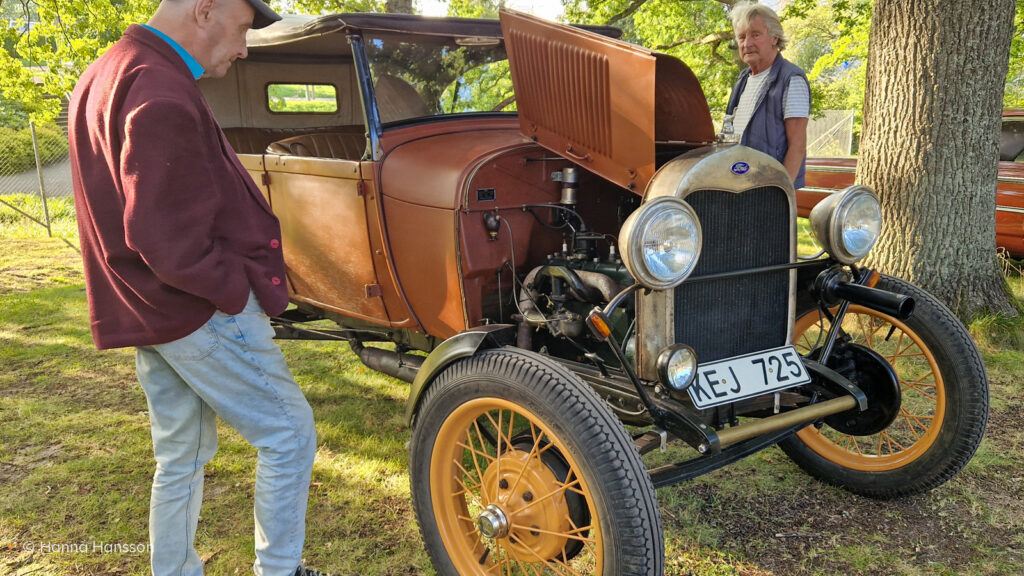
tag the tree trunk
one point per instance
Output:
(399, 7)
(932, 109)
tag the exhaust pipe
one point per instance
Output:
(394, 364)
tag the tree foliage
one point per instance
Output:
(698, 32)
(829, 40)
(1013, 95)
(49, 43)
(338, 6)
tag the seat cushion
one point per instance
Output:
(339, 145)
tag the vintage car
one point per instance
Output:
(829, 175)
(538, 223)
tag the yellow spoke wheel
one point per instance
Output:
(944, 399)
(924, 396)
(520, 469)
(506, 504)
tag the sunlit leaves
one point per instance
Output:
(1013, 96)
(698, 32)
(49, 43)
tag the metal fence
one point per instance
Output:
(35, 163)
(831, 136)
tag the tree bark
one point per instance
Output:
(399, 7)
(932, 109)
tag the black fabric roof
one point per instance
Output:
(293, 28)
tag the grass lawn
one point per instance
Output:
(76, 464)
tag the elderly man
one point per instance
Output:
(183, 261)
(771, 101)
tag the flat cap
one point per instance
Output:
(265, 16)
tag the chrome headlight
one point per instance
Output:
(660, 243)
(848, 223)
(677, 366)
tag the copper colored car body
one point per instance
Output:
(538, 222)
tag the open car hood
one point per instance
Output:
(601, 102)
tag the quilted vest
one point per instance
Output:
(766, 130)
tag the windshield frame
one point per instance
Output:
(416, 78)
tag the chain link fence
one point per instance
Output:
(831, 136)
(35, 173)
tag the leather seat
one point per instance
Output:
(339, 145)
(398, 100)
(253, 140)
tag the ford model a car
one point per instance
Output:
(573, 273)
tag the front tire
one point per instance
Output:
(944, 401)
(517, 467)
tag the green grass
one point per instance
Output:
(76, 464)
(15, 226)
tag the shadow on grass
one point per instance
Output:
(76, 458)
(76, 463)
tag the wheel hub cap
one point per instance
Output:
(493, 523)
(531, 503)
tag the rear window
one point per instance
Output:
(302, 98)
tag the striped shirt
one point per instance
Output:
(796, 105)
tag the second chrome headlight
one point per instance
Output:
(848, 223)
(660, 243)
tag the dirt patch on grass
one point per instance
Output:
(11, 473)
(811, 530)
(18, 464)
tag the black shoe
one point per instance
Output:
(303, 571)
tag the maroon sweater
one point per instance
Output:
(171, 225)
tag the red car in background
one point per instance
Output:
(828, 175)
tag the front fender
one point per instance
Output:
(462, 345)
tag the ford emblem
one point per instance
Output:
(740, 168)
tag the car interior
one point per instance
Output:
(1011, 141)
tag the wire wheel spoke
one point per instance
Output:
(503, 446)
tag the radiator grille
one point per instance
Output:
(733, 316)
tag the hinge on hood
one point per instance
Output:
(373, 291)
(265, 178)
(360, 188)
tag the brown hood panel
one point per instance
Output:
(682, 113)
(585, 97)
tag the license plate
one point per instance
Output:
(747, 376)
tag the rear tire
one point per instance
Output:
(519, 436)
(944, 401)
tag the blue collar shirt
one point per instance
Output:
(193, 65)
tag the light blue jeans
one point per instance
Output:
(230, 368)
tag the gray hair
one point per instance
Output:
(744, 13)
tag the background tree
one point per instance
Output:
(697, 32)
(49, 43)
(935, 79)
(1013, 96)
(829, 40)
